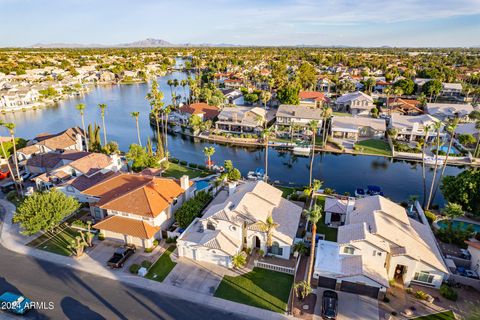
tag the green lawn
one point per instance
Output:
(374, 146)
(56, 242)
(162, 267)
(341, 114)
(286, 190)
(447, 315)
(259, 288)
(322, 228)
(176, 171)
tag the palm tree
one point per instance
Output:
(6, 157)
(326, 113)
(166, 112)
(102, 107)
(438, 126)
(388, 92)
(475, 115)
(397, 92)
(135, 115)
(183, 83)
(208, 152)
(11, 129)
(302, 289)
(313, 127)
(268, 227)
(170, 84)
(155, 97)
(266, 95)
(313, 215)
(266, 135)
(239, 260)
(81, 107)
(300, 247)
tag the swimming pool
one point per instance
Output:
(455, 223)
(201, 184)
(453, 150)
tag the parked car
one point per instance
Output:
(7, 187)
(329, 305)
(121, 255)
(4, 174)
(14, 303)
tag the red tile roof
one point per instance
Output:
(208, 111)
(132, 227)
(314, 95)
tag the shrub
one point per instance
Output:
(134, 268)
(202, 167)
(174, 160)
(79, 224)
(101, 236)
(148, 250)
(193, 165)
(146, 264)
(248, 251)
(191, 209)
(409, 290)
(328, 191)
(431, 217)
(448, 292)
(155, 242)
(261, 252)
(183, 163)
(421, 295)
(171, 240)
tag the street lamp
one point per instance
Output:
(295, 255)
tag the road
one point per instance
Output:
(79, 295)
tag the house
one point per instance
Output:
(345, 127)
(381, 85)
(409, 107)
(313, 99)
(445, 111)
(336, 209)
(201, 109)
(233, 96)
(420, 82)
(45, 162)
(451, 89)
(357, 103)
(236, 223)
(241, 119)
(379, 242)
(288, 116)
(474, 249)
(411, 128)
(136, 208)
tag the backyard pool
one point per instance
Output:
(201, 185)
(453, 150)
(456, 223)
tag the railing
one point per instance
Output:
(273, 267)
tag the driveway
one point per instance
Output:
(350, 306)
(196, 276)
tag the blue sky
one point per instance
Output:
(257, 22)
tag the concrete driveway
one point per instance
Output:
(350, 306)
(196, 276)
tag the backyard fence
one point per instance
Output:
(273, 267)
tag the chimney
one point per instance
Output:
(231, 188)
(184, 183)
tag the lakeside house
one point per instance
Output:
(451, 89)
(313, 99)
(136, 208)
(445, 111)
(237, 222)
(288, 116)
(345, 127)
(201, 109)
(380, 241)
(18, 98)
(336, 209)
(408, 107)
(241, 119)
(412, 128)
(357, 103)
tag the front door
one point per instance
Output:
(400, 270)
(256, 242)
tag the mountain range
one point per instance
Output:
(147, 43)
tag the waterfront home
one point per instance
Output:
(201, 109)
(233, 96)
(136, 208)
(474, 250)
(345, 127)
(241, 119)
(106, 76)
(71, 139)
(233, 83)
(238, 222)
(336, 210)
(411, 128)
(357, 103)
(445, 111)
(45, 162)
(313, 99)
(409, 107)
(380, 242)
(288, 116)
(451, 89)
(18, 98)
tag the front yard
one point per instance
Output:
(176, 171)
(259, 288)
(373, 146)
(56, 241)
(162, 267)
(322, 228)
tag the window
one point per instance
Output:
(349, 250)
(374, 253)
(175, 200)
(210, 225)
(275, 249)
(423, 276)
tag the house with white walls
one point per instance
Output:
(380, 242)
(412, 128)
(357, 103)
(237, 223)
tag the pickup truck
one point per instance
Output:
(120, 256)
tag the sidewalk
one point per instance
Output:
(12, 240)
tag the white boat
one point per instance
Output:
(431, 161)
(302, 151)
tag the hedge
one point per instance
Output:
(191, 209)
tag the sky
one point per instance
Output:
(402, 23)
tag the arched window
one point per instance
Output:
(275, 249)
(210, 225)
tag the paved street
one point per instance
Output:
(78, 295)
(350, 306)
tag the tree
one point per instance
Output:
(453, 210)
(102, 107)
(266, 96)
(313, 215)
(475, 115)
(266, 135)
(268, 227)
(81, 108)
(463, 189)
(78, 246)
(141, 159)
(239, 260)
(300, 247)
(289, 95)
(234, 175)
(313, 125)
(11, 129)
(195, 122)
(208, 152)
(307, 76)
(44, 211)
(407, 86)
(111, 148)
(250, 98)
(432, 88)
(135, 115)
(302, 289)
(438, 126)
(166, 112)
(155, 97)
(423, 144)
(6, 156)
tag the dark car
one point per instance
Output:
(329, 304)
(7, 187)
(121, 255)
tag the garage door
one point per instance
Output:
(358, 288)
(325, 282)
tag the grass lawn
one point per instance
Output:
(322, 228)
(56, 242)
(286, 190)
(374, 146)
(447, 315)
(176, 171)
(342, 114)
(259, 288)
(162, 267)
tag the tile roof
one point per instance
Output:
(132, 227)
(60, 140)
(312, 95)
(91, 163)
(304, 112)
(341, 123)
(83, 182)
(208, 111)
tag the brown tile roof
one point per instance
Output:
(91, 163)
(29, 149)
(405, 104)
(132, 227)
(60, 140)
(135, 193)
(207, 110)
(315, 95)
(52, 160)
(83, 182)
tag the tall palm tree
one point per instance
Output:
(266, 135)
(102, 107)
(155, 97)
(81, 107)
(313, 125)
(183, 83)
(208, 152)
(326, 113)
(135, 115)
(166, 112)
(388, 92)
(6, 157)
(11, 129)
(170, 84)
(313, 215)
(269, 227)
(266, 95)
(477, 147)
(438, 126)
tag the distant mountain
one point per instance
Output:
(147, 43)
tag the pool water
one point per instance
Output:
(452, 150)
(455, 223)
(201, 184)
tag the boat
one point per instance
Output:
(302, 150)
(431, 161)
(370, 191)
(258, 174)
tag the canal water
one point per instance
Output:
(344, 173)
